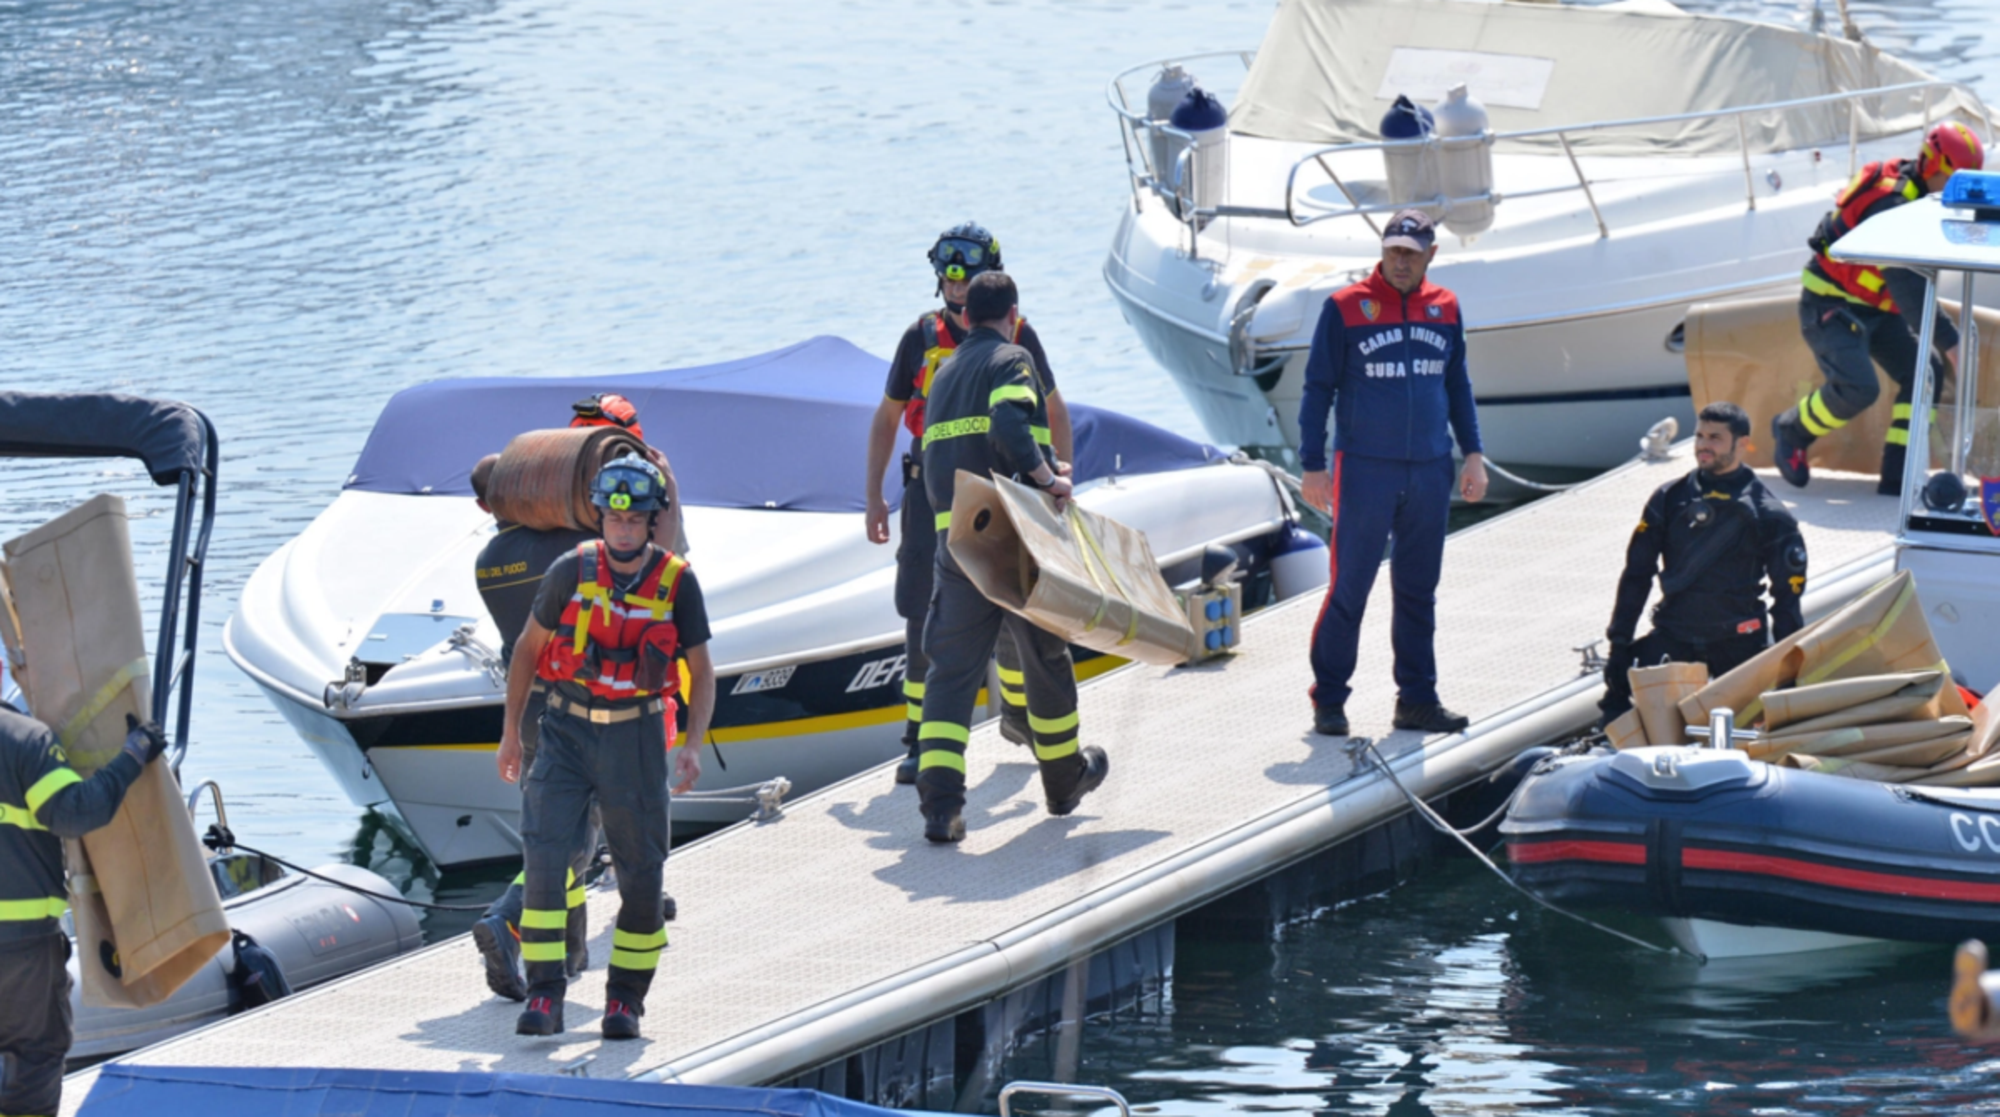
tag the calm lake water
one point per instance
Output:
(285, 211)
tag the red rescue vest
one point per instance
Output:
(938, 344)
(619, 648)
(1858, 282)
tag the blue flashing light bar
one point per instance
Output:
(1978, 191)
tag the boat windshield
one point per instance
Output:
(1952, 487)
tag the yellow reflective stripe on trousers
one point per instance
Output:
(1900, 411)
(543, 951)
(941, 758)
(1897, 436)
(1816, 417)
(534, 920)
(576, 897)
(944, 731)
(1052, 725)
(1056, 751)
(957, 428)
(1013, 697)
(944, 520)
(914, 690)
(11, 815)
(1011, 393)
(24, 911)
(1009, 675)
(50, 784)
(633, 951)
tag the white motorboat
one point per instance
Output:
(368, 634)
(1632, 160)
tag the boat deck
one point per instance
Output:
(837, 926)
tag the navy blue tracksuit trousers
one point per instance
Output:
(1375, 500)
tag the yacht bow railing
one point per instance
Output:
(1173, 184)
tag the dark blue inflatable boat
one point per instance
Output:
(1709, 834)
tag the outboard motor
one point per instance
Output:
(1202, 116)
(1464, 169)
(1171, 87)
(1412, 170)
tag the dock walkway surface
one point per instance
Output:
(837, 926)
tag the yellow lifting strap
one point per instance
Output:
(125, 676)
(1092, 550)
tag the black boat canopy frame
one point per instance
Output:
(177, 444)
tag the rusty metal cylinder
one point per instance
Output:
(542, 479)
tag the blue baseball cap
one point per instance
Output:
(1410, 228)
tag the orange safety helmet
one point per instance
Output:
(1951, 147)
(608, 409)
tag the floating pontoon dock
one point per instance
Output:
(803, 940)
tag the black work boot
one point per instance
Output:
(1330, 721)
(906, 768)
(943, 826)
(576, 945)
(1894, 457)
(1014, 724)
(1431, 717)
(500, 949)
(621, 1019)
(1790, 449)
(1096, 766)
(542, 1017)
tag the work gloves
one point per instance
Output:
(143, 740)
(1619, 661)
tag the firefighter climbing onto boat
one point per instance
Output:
(986, 409)
(610, 622)
(1714, 538)
(960, 255)
(42, 801)
(1854, 316)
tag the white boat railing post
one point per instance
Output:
(1743, 141)
(1966, 386)
(1589, 195)
(1916, 462)
(1853, 137)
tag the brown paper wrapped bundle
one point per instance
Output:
(542, 480)
(1626, 731)
(1853, 769)
(147, 913)
(1088, 579)
(1881, 632)
(1918, 744)
(1807, 703)
(1656, 693)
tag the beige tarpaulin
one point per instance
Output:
(1750, 352)
(1088, 579)
(147, 913)
(1328, 69)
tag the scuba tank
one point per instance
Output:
(1464, 169)
(1201, 115)
(1169, 88)
(1412, 170)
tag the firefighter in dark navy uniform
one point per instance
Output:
(610, 623)
(1388, 359)
(508, 572)
(960, 255)
(1853, 315)
(1714, 538)
(42, 801)
(984, 412)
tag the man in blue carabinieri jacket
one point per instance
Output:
(1388, 359)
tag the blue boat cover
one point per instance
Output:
(148, 1091)
(786, 429)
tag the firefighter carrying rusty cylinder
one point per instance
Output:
(42, 801)
(960, 255)
(984, 408)
(610, 623)
(1854, 316)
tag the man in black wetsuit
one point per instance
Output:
(509, 571)
(984, 410)
(960, 255)
(42, 801)
(1714, 538)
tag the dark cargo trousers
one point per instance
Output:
(34, 1023)
(1848, 341)
(916, 572)
(959, 636)
(623, 765)
(508, 906)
